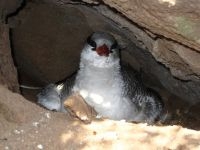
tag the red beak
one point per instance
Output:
(103, 50)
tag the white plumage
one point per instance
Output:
(103, 85)
(100, 84)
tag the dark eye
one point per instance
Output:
(91, 43)
(114, 46)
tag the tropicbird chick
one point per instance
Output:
(112, 89)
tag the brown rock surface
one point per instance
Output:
(183, 62)
(173, 22)
(8, 7)
(8, 72)
(44, 38)
(170, 18)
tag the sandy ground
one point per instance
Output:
(26, 126)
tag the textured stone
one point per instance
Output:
(183, 62)
(45, 40)
(8, 72)
(169, 18)
(8, 7)
(14, 108)
(172, 24)
(76, 105)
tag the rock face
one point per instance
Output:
(8, 7)
(183, 62)
(8, 72)
(47, 42)
(174, 28)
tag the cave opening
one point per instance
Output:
(47, 39)
(158, 38)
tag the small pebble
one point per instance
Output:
(39, 146)
(35, 124)
(98, 117)
(48, 115)
(16, 131)
(94, 133)
(122, 121)
(22, 131)
(6, 147)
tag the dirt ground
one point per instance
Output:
(26, 126)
